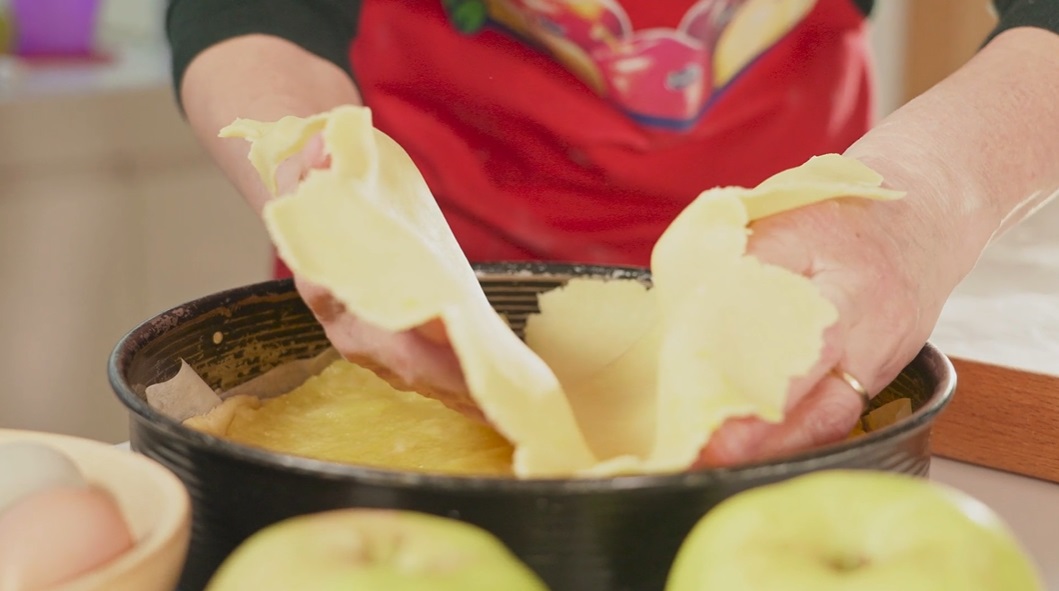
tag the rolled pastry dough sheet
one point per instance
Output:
(369, 230)
(613, 377)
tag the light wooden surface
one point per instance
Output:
(109, 214)
(1002, 418)
(941, 36)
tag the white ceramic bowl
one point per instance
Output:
(155, 504)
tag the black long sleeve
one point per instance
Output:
(1043, 14)
(322, 27)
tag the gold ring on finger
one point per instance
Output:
(854, 385)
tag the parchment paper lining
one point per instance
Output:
(187, 395)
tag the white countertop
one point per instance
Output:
(132, 67)
(1030, 507)
(1007, 312)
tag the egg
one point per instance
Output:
(54, 535)
(28, 467)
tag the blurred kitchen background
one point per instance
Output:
(110, 213)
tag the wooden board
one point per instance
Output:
(1002, 418)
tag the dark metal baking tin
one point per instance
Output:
(614, 534)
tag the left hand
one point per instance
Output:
(868, 259)
(419, 359)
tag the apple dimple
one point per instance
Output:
(388, 540)
(848, 562)
(386, 550)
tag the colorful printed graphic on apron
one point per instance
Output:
(664, 77)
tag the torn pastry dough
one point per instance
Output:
(369, 230)
(613, 377)
(725, 335)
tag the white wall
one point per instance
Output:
(116, 219)
(132, 19)
(887, 37)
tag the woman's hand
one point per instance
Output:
(878, 271)
(868, 258)
(419, 359)
(976, 158)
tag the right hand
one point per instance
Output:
(419, 359)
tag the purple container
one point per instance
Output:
(55, 27)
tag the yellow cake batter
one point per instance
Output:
(347, 414)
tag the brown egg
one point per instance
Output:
(54, 535)
(28, 467)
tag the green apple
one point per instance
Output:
(852, 530)
(373, 550)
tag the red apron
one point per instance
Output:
(576, 130)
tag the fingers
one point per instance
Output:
(405, 359)
(418, 360)
(314, 155)
(830, 355)
(821, 408)
(845, 292)
(293, 170)
(319, 300)
(408, 356)
(747, 439)
(434, 331)
(739, 439)
(788, 251)
(825, 415)
(735, 442)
